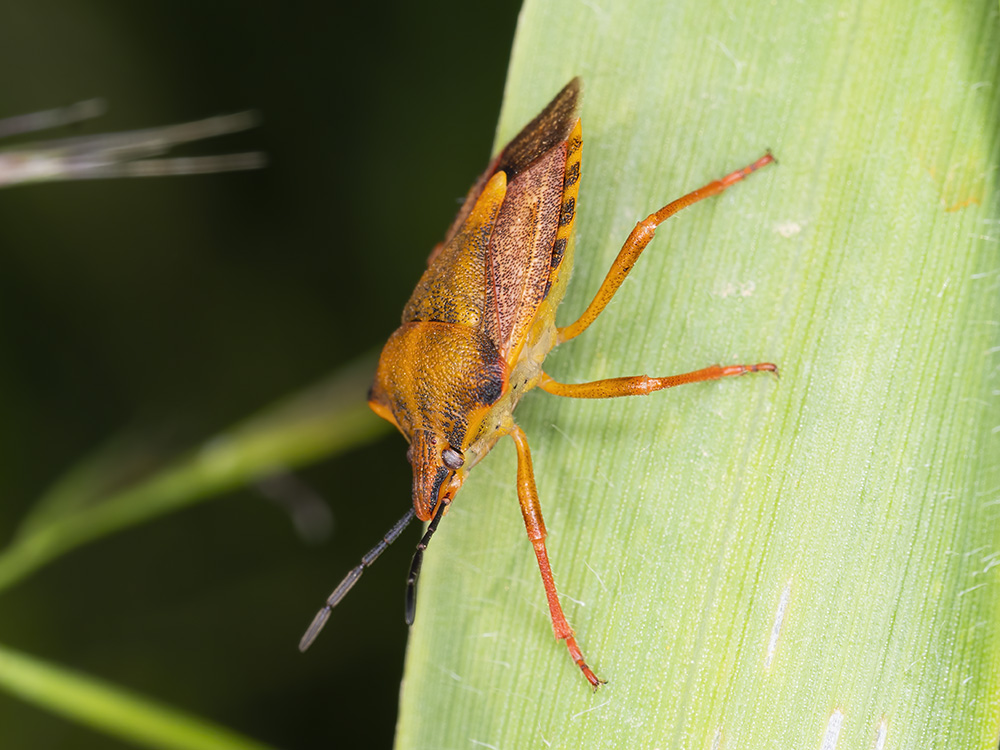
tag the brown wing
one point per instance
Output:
(552, 126)
(520, 251)
(494, 267)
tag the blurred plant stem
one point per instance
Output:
(125, 154)
(116, 488)
(321, 421)
(112, 709)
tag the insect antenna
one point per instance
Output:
(355, 573)
(418, 560)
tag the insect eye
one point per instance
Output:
(452, 458)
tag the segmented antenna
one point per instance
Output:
(352, 577)
(418, 560)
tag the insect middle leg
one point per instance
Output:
(641, 237)
(531, 509)
(641, 385)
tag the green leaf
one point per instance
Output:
(321, 421)
(811, 562)
(111, 709)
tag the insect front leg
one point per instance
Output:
(531, 509)
(641, 237)
(642, 385)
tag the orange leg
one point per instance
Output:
(527, 494)
(640, 237)
(641, 385)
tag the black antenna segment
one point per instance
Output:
(418, 560)
(355, 573)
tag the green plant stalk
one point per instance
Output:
(111, 709)
(319, 422)
(810, 562)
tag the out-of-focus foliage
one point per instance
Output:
(140, 318)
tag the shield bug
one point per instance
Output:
(479, 325)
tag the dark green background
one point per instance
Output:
(170, 308)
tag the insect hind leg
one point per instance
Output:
(641, 237)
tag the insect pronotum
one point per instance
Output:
(479, 325)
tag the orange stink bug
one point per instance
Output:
(480, 323)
